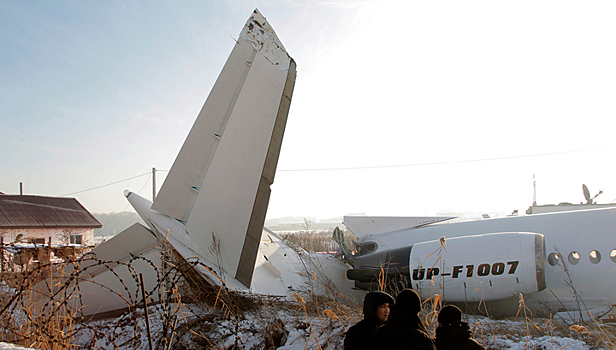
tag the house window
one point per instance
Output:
(39, 240)
(75, 239)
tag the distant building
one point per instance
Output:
(289, 224)
(36, 219)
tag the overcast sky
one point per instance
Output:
(411, 106)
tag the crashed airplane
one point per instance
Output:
(212, 206)
(559, 261)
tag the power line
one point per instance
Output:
(377, 166)
(442, 163)
(111, 183)
(118, 213)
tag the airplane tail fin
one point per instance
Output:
(213, 202)
(219, 184)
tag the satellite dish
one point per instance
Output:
(586, 194)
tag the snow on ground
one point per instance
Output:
(277, 324)
(540, 333)
(545, 342)
(7, 346)
(288, 327)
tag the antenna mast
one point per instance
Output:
(534, 192)
(153, 184)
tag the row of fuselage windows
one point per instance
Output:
(574, 257)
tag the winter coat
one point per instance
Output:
(456, 337)
(402, 333)
(358, 336)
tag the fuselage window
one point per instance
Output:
(574, 258)
(613, 255)
(595, 257)
(553, 259)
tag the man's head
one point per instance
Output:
(408, 303)
(450, 315)
(376, 304)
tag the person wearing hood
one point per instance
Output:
(404, 329)
(452, 333)
(376, 312)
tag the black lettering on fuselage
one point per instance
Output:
(483, 270)
(419, 274)
(456, 271)
(514, 265)
(496, 269)
(432, 272)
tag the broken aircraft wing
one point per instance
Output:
(369, 225)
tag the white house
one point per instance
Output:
(37, 219)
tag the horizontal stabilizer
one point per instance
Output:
(369, 225)
(107, 282)
(133, 241)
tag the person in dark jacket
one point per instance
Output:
(404, 329)
(452, 333)
(376, 312)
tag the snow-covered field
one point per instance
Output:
(286, 325)
(7, 346)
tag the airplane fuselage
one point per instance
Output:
(562, 250)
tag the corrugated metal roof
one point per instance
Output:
(18, 211)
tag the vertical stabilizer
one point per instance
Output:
(219, 184)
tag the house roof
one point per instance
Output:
(18, 211)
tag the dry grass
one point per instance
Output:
(318, 240)
(193, 314)
(492, 333)
(40, 306)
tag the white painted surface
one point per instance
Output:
(576, 231)
(114, 285)
(368, 225)
(58, 235)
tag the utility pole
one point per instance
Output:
(21, 188)
(153, 184)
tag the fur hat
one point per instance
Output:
(450, 314)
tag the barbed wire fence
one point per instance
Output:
(42, 306)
